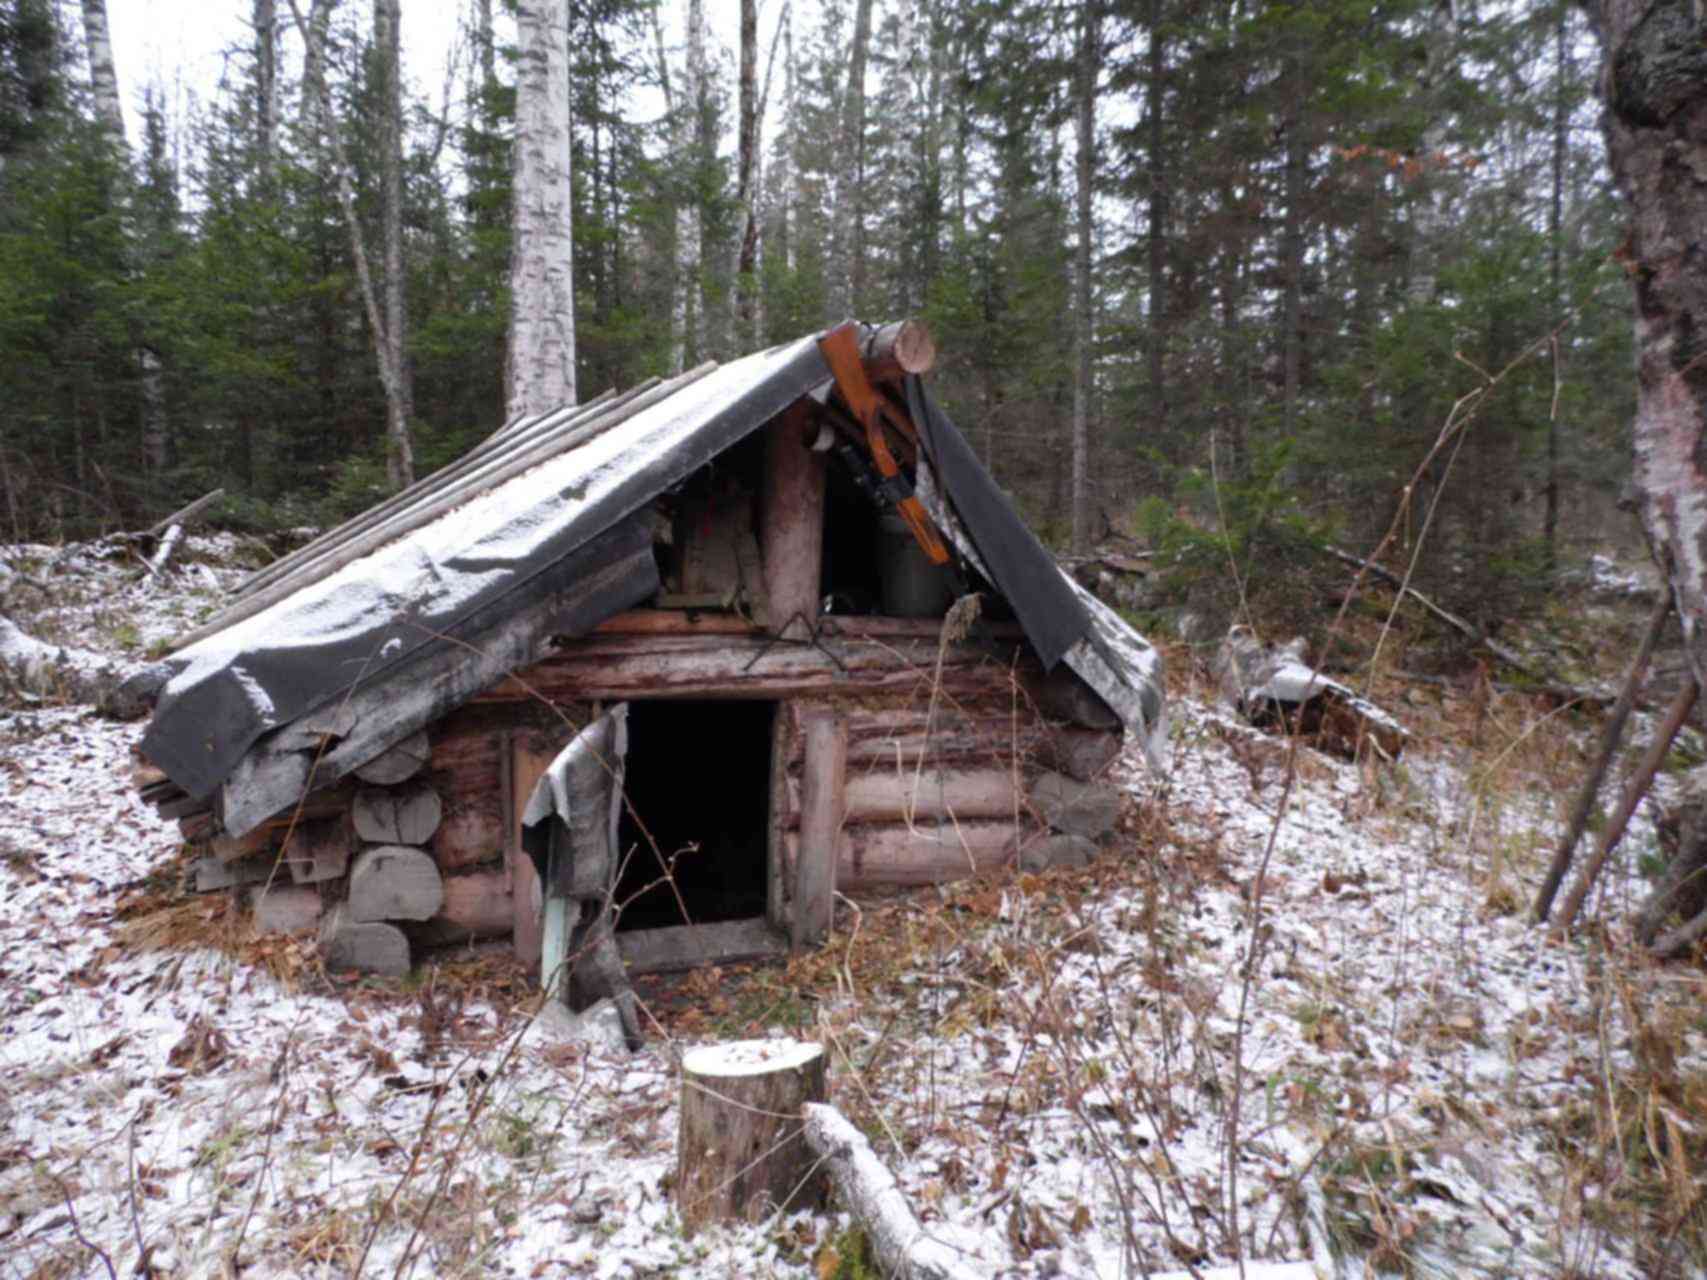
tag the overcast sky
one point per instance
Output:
(183, 44)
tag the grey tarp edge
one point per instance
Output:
(211, 713)
(1017, 564)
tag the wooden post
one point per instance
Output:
(793, 523)
(740, 1154)
(530, 757)
(823, 800)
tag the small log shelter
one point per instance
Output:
(640, 684)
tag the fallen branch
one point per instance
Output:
(904, 1250)
(185, 516)
(156, 563)
(1469, 630)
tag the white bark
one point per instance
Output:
(103, 76)
(690, 224)
(1429, 213)
(1083, 331)
(678, 148)
(265, 20)
(399, 407)
(541, 360)
(902, 1246)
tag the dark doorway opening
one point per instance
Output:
(697, 813)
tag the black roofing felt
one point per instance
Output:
(1024, 572)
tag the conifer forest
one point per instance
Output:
(1225, 265)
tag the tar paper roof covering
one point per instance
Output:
(362, 621)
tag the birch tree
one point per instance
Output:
(103, 74)
(1090, 31)
(747, 156)
(1655, 82)
(540, 368)
(400, 397)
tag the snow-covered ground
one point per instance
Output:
(1304, 1022)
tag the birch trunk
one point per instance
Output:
(1090, 24)
(746, 256)
(1429, 213)
(1655, 90)
(103, 75)
(399, 407)
(683, 230)
(265, 20)
(541, 363)
(702, 146)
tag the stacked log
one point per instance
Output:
(375, 865)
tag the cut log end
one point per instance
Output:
(741, 1155)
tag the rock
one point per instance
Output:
(1049, 852)
(1086, 809)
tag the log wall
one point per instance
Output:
(934, 756)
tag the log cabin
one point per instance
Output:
(641, 684)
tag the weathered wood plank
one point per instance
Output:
(531, 755)
(822, 804)
(793, 521)
(688, 946)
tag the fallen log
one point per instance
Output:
(156, 563)
(904, 1249)
(1273, 687)
(41, 670)
(185, 516)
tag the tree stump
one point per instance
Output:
(741, 1154)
